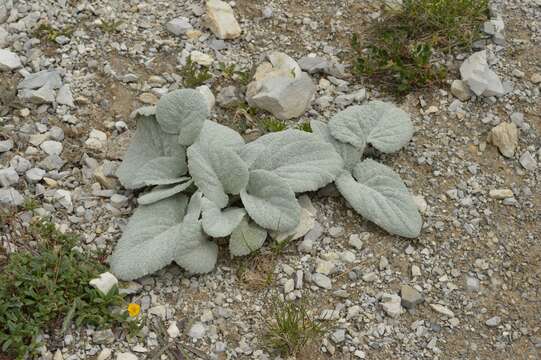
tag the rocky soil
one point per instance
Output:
(72, 71)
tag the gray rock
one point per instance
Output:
(20, 164)
(493, 321)
(336, 231)
(267, 12)
(9, 61)
(197, 331)
(8, 177)
(461, 90)
(52, 162)
(10, 197)
(179, 26)
(322, 281)
(6, 145)
(472, 284)
(52, 147)
(44, 95)
(228, 97)
(477, 74)
(528, 161)
(40, 79)
(442, 310)
(355, 241)
(338, 336)
(3, 37)
(103, 337)
(119, 201)
(126, 356)
(34, 175)
(281, 88)
(64, 96)
(391, 304)
(314, 64)
(410, 297)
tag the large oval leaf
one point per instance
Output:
(349, 153)
(381, 124)
(302, 159)
(153, 157)
(379, 195)
(270, 202)
(150, 238)
(218, 223)
(220, 136)
(246, 238)
(217, 172)
(182, 112)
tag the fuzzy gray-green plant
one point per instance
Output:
(208, 183)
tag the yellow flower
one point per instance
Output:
(134, 309)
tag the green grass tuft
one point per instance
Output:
(193, 75)
(398, 51)
(291, 328)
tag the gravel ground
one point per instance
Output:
(468, 288)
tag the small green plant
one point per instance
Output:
(30, 204)
(193, 75)
(45, 286)
(227, 70)
(400, 46)
(110, 27)
(304, 126)
(272, 124)
(49, 33)
(291, 328)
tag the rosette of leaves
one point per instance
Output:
(205, 182)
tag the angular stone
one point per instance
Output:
(64, 96)
(20, 164)
(6, 145)
(325, 267)
(477, 74)
(442, 310)
(410, 297)
(322, 281)
(179, 26)
(391, 304)
(197, 331)
(221, 20)
(173, 330)
(9, 61)
(505, 138)
(8, 177)
(44, 95)
(500, 194)
(103, 337)
(493, 321)
(10, 197)
(41, 78)
(126, 356)
(52, 147)
(200, 58)
(527, 161)
(460, 90)
(34, 175)
(281, 88)
(228, 97)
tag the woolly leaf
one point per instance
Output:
(217, 170)
(306, 223)
(153, 157)
(381, 124)
(163, 192)
(217, 223)
(219, 136)
(350, 155)
(150, 238)
(376, 192)
(182, 112)
(270, 202)
(303, 160)
(246, 238)
(196, 253)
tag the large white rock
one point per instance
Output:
(41, 78)
(10, 197)
(8, 177)
(179, 26)
(505, 138)
(9, 60)
(281, 87)
(104, 283)
(479, 77)
(221, 20)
